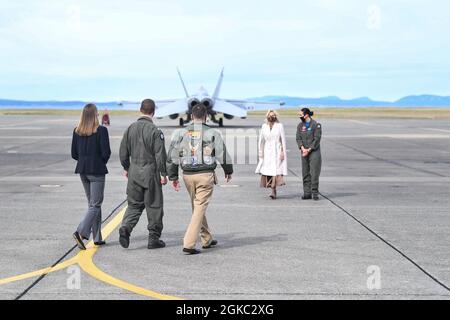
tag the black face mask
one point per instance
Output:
(303, 119)
(272, 119)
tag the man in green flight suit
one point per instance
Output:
(309, 134)
(197, 149)
(143, 156)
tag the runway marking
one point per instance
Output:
(241, 179)
(85, 260)
(361, 122)
(331, 136)
(385, 241)
(40, 272)
(23, 128)
(393, 162)
(439, 130)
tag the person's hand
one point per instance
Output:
(176, 185)
(306, 152)
(125, 174)
(228, 177)
(163, 181)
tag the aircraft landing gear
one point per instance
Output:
(181, 122)
(221, 122)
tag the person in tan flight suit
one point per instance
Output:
(197, 149)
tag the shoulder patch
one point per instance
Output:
(161, 134)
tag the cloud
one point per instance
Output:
(74, 17)
(318, 45)
(374, 18)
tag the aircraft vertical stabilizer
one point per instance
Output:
(219, 86)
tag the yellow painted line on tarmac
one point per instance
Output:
(90, 268)
(85, 260)
(40, 272)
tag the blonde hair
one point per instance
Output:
(276, 114)
(89, 123)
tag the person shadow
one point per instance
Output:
(231, 241)
(226, 241)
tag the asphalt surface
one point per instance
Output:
(385, 205)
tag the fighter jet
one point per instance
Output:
(217, 108)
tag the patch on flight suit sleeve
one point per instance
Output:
(161, 135)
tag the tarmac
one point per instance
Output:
(381, 229)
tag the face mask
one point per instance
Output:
(272, 119)
(303, 119)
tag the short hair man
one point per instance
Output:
(143, 156)
(197, 149)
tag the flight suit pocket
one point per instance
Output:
(154, 195)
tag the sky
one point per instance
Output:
(112, 50)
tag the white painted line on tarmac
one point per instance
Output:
(23, 128)
(361, 122)
(436, 129)
(237, 179)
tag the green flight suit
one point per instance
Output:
(309, 137)
(143, 155)
(197, 149)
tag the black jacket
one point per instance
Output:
(91, 152)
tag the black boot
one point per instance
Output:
(315, 197)
(306, 197)
(212, 244)
(155, 244)
(79, 241)
(191, 251)
(124, 237)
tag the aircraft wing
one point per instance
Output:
(134, 105)
(164, 102)
(225, 107)
(171, 107)
(252, 105)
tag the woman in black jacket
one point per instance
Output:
(91, 150)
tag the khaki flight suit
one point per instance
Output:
(197, 149)
(312, 164)
(143, 155)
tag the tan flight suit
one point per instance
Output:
(197, 149)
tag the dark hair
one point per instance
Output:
(199, 111)
(148, 107)
(308, 112)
